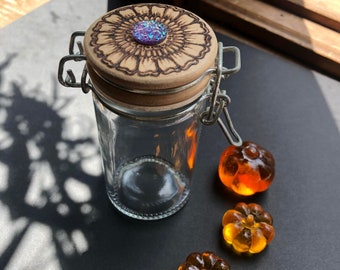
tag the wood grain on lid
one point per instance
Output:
(113, 54)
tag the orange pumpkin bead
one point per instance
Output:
(246, 169)
(204, 261)
(247, 228)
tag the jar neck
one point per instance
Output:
(151, 115)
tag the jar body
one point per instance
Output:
(148, 160)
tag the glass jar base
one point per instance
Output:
(148, 188)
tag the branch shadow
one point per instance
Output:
(52, 188)
(44, 178)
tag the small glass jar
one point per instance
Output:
(153, 69)
(148, 158)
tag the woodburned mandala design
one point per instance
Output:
(187, 40)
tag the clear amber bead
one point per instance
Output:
(246, 169)
(204, 261)
(247, 228)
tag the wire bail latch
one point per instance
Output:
(76, 54)
(219, 100)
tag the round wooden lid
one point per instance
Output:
(149, 55)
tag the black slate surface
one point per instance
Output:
(277, 104)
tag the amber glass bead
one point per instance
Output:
(246, 169)
(204, 261)
(247, 228)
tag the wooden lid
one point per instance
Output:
(149, 55)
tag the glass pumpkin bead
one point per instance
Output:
(246, 169)
(204, 261)
(247, 228)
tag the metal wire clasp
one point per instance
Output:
(76, 54)
(218, 98)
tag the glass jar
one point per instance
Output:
(148, 158)
(154, 71)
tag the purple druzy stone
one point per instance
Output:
(149, 32)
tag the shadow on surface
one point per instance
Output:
(54, 209)
(46, 179)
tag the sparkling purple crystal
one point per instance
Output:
(149, 32)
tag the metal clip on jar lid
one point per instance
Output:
(151, 58)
